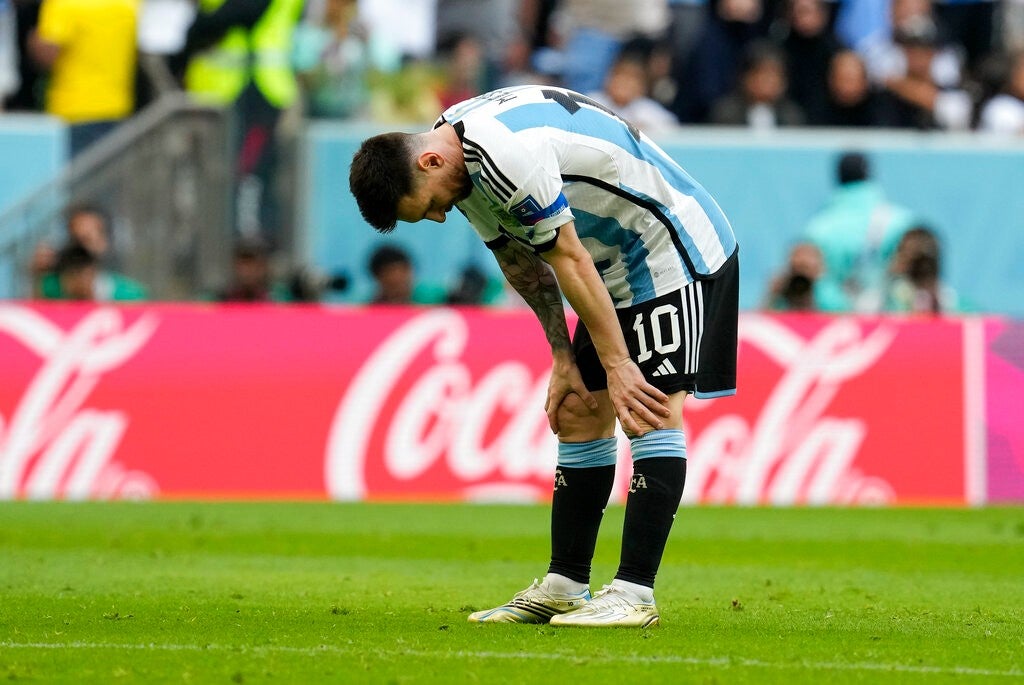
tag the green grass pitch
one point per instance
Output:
(321, 592)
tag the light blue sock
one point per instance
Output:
(669, 442)
(590, 454)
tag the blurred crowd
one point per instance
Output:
(761, 64)
(863, 253)
(946, 64)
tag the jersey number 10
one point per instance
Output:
(658, 331)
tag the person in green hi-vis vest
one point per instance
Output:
(238, 54)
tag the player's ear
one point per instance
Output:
(429, 160)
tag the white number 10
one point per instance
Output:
(660, 346)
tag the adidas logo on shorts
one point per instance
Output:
(665, 369)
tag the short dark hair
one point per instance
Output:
(852, 167)
(381, 174)
(386, 255)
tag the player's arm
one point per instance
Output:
(629, 391)
(535, 282)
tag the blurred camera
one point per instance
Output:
(308, 285)
(797, 291)
(923, 269)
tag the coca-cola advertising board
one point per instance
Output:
(215, 401)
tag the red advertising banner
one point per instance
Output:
(206, 401)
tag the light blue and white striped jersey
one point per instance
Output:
(540, 157)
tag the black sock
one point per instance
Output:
(576, 510)
(654, 495)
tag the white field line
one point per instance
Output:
(725, 662)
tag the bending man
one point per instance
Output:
(572, 199)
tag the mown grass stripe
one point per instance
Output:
(726, 662)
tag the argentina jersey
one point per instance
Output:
(540, 157)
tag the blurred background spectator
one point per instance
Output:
(9, 77)
(760, 100)
(916, 97)
(851, 99)
(395, 278)
(89, 50)
(251, 276)
(238, 53)
(597, 30)
(686, 26)
(714, 66)
(800, 286)
(88, 231)
(808, 44)
(886, 59)
(970, 25)
(74, 276)
(625, 93)
(482, 40)
(465, 72)
(913, 284)
(1004, 113)
(1011, 23)
(332, 58)
(27, 97)
(857, 231)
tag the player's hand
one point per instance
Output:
(565, 379)
(638, 404)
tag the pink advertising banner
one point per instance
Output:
(205, 401)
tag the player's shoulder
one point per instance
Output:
(483, 132)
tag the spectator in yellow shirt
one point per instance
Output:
(89, 47)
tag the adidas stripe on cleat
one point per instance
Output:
(532, 605)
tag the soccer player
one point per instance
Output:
(572, 199)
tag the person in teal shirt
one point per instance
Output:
(857, 232)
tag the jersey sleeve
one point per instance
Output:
(541, 208)
(525, 178)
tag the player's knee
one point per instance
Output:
(577, 421)
(570, 416)
(573, 406)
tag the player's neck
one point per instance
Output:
(447, 144)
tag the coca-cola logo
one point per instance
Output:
(794, 451)
(51, 444)
(444, 417)
(487, 433)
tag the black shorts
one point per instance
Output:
(685, 340)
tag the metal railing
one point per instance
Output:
(165, 178)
